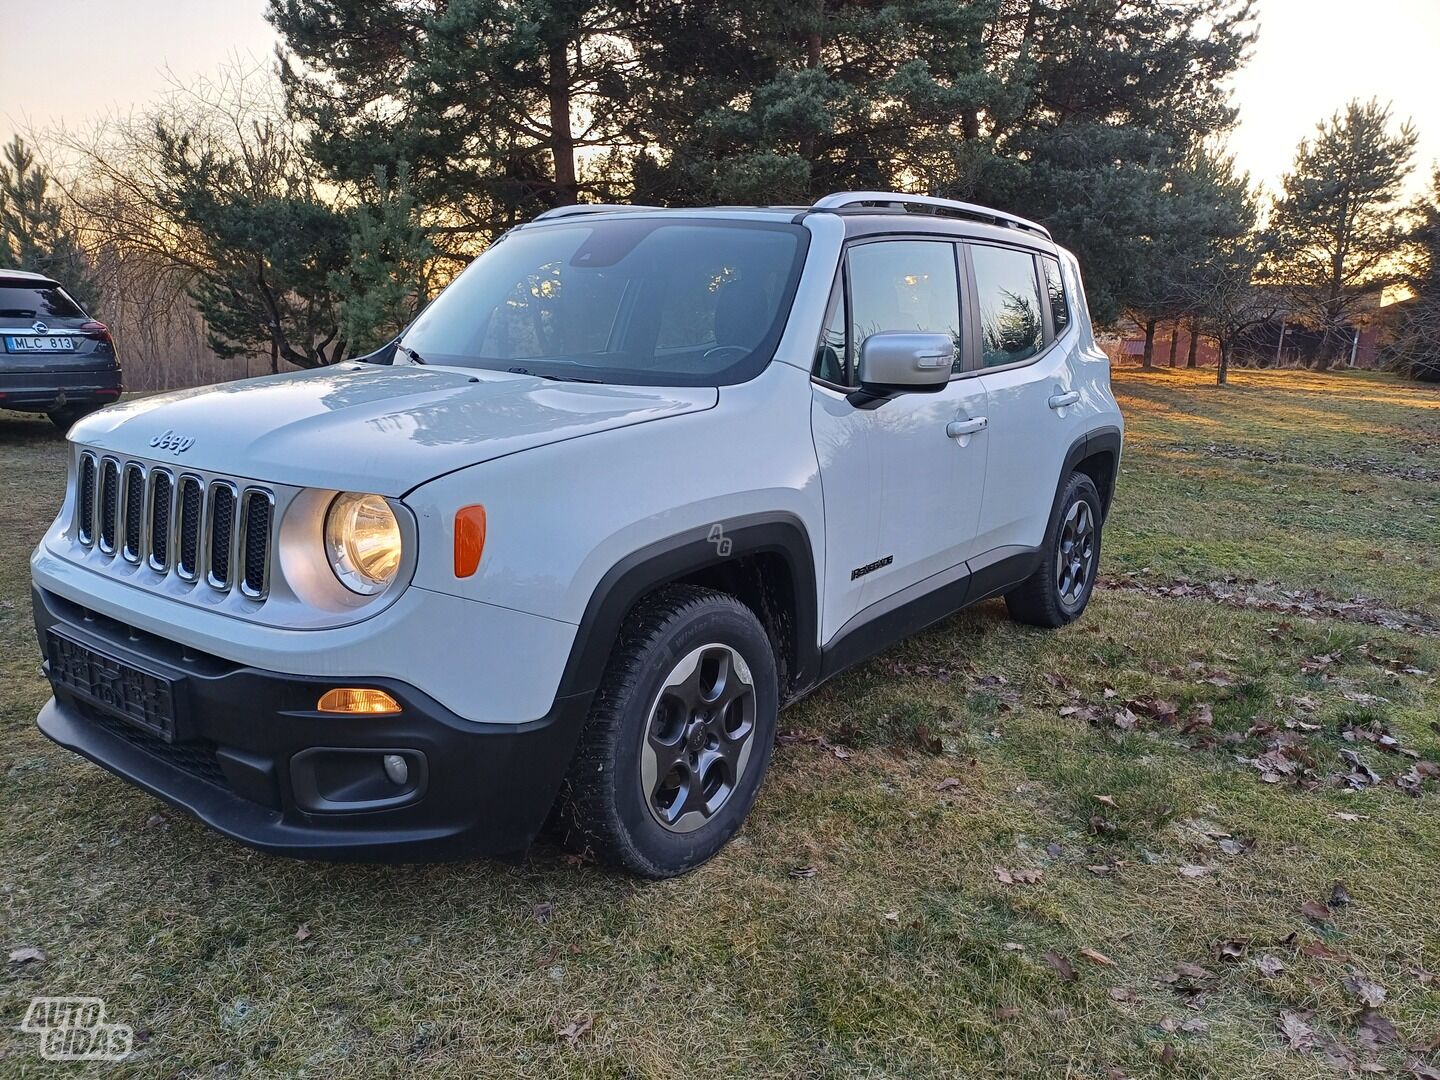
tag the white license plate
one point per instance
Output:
(52, 343)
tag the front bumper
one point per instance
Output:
(251, 757)
(47, 391)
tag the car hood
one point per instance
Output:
(363, 427)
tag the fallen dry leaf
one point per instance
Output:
(575, 1030)
(1231, 948)
(892, 916)
(1195, 870)
(302, 931)
(28, 954)
(803, 871)
(1339, 895)
(1021, 876)
(1105, 800)
(1268, 966)
(1296, 1028)
(1014, 946)
(1119, 993)
(1319, 951)
(1314, 909)
(1062, 966)
(1368, 993)
(1374, 1031)
(1097, 957)
(1007, 1012)
(948, 783)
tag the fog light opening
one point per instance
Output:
(397, 769)
(357, 700)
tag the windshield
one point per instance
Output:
(637, 301)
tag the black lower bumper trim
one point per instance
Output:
(47, 391)
(250, 750)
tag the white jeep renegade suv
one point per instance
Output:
(634, 481)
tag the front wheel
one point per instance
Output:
(1057, 592)
(679, 737)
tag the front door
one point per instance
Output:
(903, 482)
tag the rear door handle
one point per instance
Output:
(1059, 401)
(957, 428)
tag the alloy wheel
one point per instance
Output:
(698, 738)
(1075, 560)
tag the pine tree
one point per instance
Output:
(1415, 348)
(33, 235)
(1336, 229)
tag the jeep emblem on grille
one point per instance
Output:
(168, 440)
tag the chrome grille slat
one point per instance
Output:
(160, 515)
(132, 512)
(167, 524)
(257, 514)
(220, 534)
(85, 499)
(192, 508)
(109, 504)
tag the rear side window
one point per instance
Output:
(1011, 327)
(1055, 286)
(36, 302)
(904, 285)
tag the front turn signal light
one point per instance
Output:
(355, 700)
(469, 539)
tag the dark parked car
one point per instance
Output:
(54, 358)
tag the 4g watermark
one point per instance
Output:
(75, 1029)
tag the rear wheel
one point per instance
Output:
(679, 737)
(1057, 592)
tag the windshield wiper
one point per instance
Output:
(410, 353)
(553, 378)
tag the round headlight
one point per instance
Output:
(362, 540)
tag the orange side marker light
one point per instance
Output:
(469, 539)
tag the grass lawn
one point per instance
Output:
(1182, 837)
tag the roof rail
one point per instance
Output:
(846, 200)
(588, 208)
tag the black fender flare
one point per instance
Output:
(678, 556)
(1101, 440)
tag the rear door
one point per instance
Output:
(42, 328)
(1027, 339)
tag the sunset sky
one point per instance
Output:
(1313, 56)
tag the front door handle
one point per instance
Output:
(956, 428)
(1059, 401)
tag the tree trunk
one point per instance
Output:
(1194, 344)
(274, 358)
(562, 138)
(1149, 361)
(1222, 376)
(1174, 340)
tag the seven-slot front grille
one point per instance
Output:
(213, 530)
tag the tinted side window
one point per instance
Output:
(905, 285)
(1011, 328)
(1059, 303)
(830, 357)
